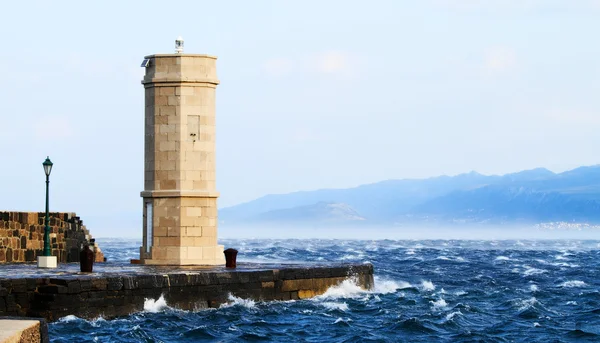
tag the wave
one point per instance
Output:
(411, 325)
(235, 301)
(389, 286)
(440, 303)
(451, 315)
(573, 283)
(534, 271)
(335, 306)
(346, 289)
(427, 286)
(68, 319)
(155, 306)
(342, 320)
(349, 288)
(527, 303)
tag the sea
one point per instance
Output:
(425, 291)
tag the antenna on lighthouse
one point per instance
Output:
(179, 45)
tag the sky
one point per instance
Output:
(313, 94)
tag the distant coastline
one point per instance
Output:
(527, 197)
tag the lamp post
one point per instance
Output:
(47, 260)
(47, 169)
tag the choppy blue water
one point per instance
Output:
(426, 291)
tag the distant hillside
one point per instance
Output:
(323, 211)
(536, 195)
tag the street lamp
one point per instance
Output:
(47, 169)
(47, 260)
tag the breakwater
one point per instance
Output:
(117, 294)
(22, 237)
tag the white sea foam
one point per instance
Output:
(330, 305)
(427, 285)
(571, 302)
(389, 286)
(97, 322)
(533, 288)
(235, 301)
(350, 289)
(502, 258)
(352, 257)
(534, 271)
(536, 324)
(439, 303)
(345, 320)
(444, 258)
(410, 252)
(573, 283)
(526, 303)
(154, 306)
(347, 289)
(459, 293)
(69, 318)
(449, 316)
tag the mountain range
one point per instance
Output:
(530, 196)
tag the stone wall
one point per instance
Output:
(22, 237)
(111, 295)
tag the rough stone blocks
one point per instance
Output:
(180, 158)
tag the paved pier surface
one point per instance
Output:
(122, 291)
(23, 330)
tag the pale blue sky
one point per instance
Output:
(313, 94)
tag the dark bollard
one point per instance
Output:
(230, 256)
(86, 259)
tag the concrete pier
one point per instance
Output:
(23, 330)
(190, 288)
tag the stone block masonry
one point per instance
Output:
(180, 196)
(111, 295)
(22, 237)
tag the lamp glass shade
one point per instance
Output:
(47, 166)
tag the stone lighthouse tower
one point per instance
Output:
(180, 197)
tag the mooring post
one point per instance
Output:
(230, 257)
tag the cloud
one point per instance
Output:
(278, 66)
(499, 59)
(333, 62)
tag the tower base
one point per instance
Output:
(184, 256)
